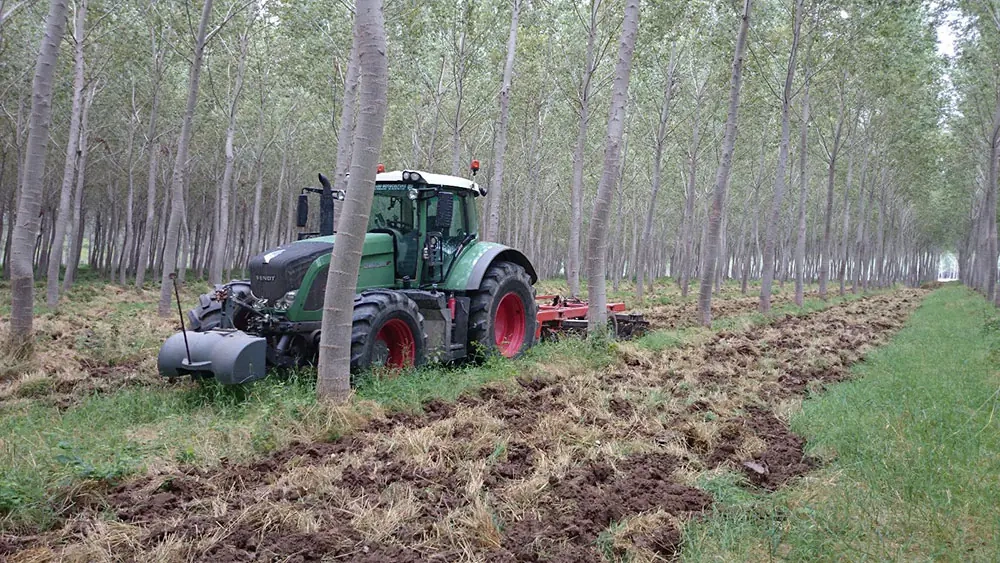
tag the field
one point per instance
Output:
(674, 445)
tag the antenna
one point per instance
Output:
(180, 313)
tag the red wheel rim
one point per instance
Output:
(509, 325)
(397, 337)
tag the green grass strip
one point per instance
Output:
(914, 444)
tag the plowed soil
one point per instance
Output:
(558, 467)
(684, 314)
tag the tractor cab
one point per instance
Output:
(431, 218)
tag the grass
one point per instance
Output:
(49, 456)
(912, 446)
(448, 383)
(53, 455)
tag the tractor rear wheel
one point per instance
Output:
(388, 331)
(503, 313)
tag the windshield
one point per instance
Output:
(392, 209)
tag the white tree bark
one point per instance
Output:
(496, 185)
(154, 156)
(800, 240)
(76, 225)
(69, 168)
(825, 252)
(180, 165)
(348, 115)
(334, 374)
(658, 145)
(129, 235)
(22, 276)
(597, 238)
(992, 179)
(219, 251)
(715, 217)
(579, 153)
(771, 232)
(274, 238)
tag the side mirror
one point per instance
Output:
(302, 218)
(445, 208)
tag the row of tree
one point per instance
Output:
(973, 152)
(785, 140)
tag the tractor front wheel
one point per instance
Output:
(503, 313)
(209, 314)
(388, 331)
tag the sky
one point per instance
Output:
(946, 39)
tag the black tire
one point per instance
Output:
(501, 279)
(375, 311)
(206, 315)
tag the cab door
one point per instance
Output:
(447, 228)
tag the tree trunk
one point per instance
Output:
(496, 185)
(180, 165)
(348, 114)
(661, 137)
(125, 254)
(800, 241)
(579, 153)
(258, 194)
(597, 238)
(771, 232)
(991, 206)
(458, 73)
(275, 230)
(334, 374)
(715, 217)
(687, 222)
(76, 228)
(219, 252)
(154, 154)
(844, 243)
(22, 283)
(69, 168)
(825, 252)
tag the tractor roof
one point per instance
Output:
(443, 180)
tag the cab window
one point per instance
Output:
(455, 233)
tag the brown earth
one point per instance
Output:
(560, 466)
(684, 314)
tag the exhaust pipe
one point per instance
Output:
(230, 356)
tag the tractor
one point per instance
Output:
(428, 290)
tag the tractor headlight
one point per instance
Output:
(286, 300)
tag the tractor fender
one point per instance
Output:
(469, 273)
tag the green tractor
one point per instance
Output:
(428, 290)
